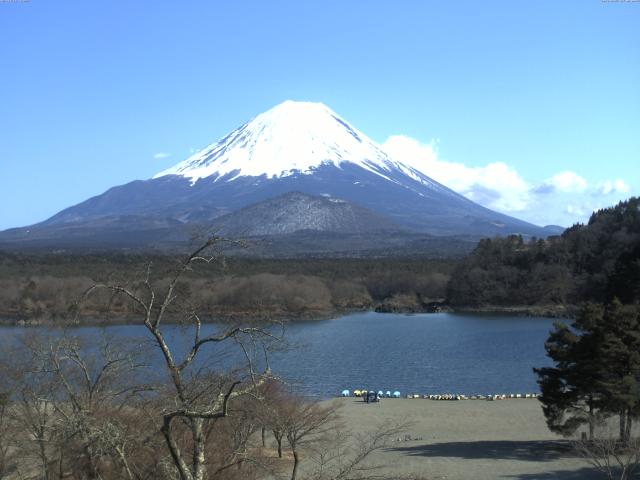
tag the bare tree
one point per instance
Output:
(34, 416)
(27, 417)
(616, 459)
(302, 422)
(199, 395)
(7, 387)
(344, 455)
(270, 414)
(5, 435)
(66, 404)
(314, 433)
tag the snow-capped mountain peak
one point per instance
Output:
(292, 137)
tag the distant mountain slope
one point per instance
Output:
(554, 229)
(294, 147)
(295, 211)
(104, 232)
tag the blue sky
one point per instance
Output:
(532, 108)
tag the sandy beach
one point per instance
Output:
(469, 439)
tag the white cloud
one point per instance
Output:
(577, 210)
(613, 186)
(496, 185)
(562, 199)
(566, 181)
(161, 155)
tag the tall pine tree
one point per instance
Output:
(596, 372)
(619, 355)
(570, 397)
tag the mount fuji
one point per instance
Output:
(299, 147)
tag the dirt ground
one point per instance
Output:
(469, 439)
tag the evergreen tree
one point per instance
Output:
(619, 354)
(594, 262)
(570, 396)
(596, 372)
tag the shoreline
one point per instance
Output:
(546, 311)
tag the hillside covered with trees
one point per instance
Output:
(595, 262)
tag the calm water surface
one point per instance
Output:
(424, 353)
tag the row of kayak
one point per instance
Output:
(501, 396)
(380, 393)
(447, 396)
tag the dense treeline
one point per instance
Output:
(45, 287)
(594, 262)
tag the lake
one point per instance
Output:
(421, 353)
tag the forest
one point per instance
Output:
(595, 262)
